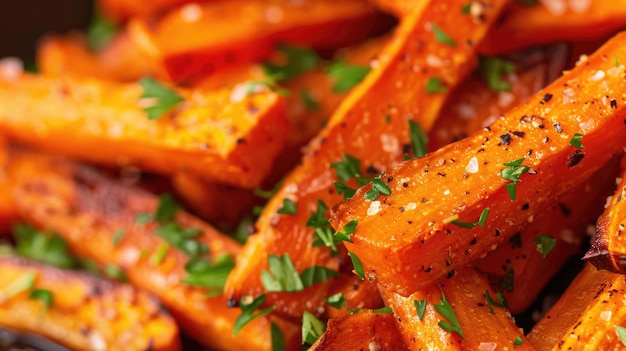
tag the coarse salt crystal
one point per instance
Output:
(472, 165)
(487, 346)
(410, 206)
(191, 13)
(374, 208)
(597, 76)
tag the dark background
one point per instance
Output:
(23, 22)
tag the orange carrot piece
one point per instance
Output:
(357, 294)
(87, 210)
(563, 134)
(121, 10)
(608, 249)
(586, 316)
(86, 312)
(481, 325)
(564, 221)
(190, 45)
(371, 124)
(7, 208)
(365, 330)
(215, 135)
(550, 22)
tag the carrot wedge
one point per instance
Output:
(85, 312)
(608, 250)
(481, 324)
(87, 210)
(365, 330)
(367, 126)
(213, 134)
(587, 315)
(454, 206)
(190, 44)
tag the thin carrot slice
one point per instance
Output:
(87, 210)
(454, 206)
(192, 44)
(216, 134)
(608, 250)
(553, 21)
(372, 125)
(587, 315)
(534, 255)
(482, 323)
(82, 311)
(365, 330)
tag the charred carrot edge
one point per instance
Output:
(608, 250)
(121, 10)
(526, 26)
(481, 324)
(87, 210)
(586, 315)
(563, 222)
(369, 126)
(365, 330)
(86, 312)
(409, 238)
(187, 50)
(216, 134)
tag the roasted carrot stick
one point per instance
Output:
(458, 203)
(368, 126)
(586, 317)
(89, 211)
(552, 21)
(190, 44)
(216, 134)
(365, 330)
(82, 311)
(479, 322)
(535, 254)
(608, 249)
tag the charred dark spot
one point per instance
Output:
(557, 127)
(546, 98)
(505, 139)
(575, 158)
(613, 103)
(565, 210)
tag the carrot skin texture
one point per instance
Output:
(465, 293)
(365, 330)
(118, 315)
(348, 131)
(208, 134)
(608, 250)
(406, 250)
(585, 316)
(87, 209)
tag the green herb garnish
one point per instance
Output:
(513, 173)
(451, 323)
(481, 220)
(492, 69)
(420, 308)
(165, 99)
(346, 76)
(434, 85)
(545, 244)
(442, 36)
(247, 312)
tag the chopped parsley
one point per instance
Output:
(325, 236)
(297, 60)
(434, 85)
(337, 300)
(278, 338)
(349, 167)
(318, 218)
(418, 139)
(22, 284)
(312, 328)
(248, 312)
(166, 209)
(465, 9)
(513, 173)
(289, 208)
(159, 255)
(518, 341)
(267, 194)
(481, 220)
(385, 310)
(309, 100)
(118, 236)
(346, 76)
(100, 32)
(52, 250)
(576, 141)
(621, 333)
(345, 234)
(165, 99)
(378, 187)
(42, 295)
(144, 217)
(492, 69)
(115, 272)
(507, 283)
(545, 244)
(358, 266)
(420, 308)
(442, 36)
(283, 276)
(451, 323)
(207, 274)
(493, 302)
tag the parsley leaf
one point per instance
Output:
(518, 341)
(513, 173)
(118, 236)
(165, 99)
(317, 274)
(378, 187)
(207, 274)
(358, 266)
(247, 312)
(115, 272)
(545, 244)
(100, 32)
(465, 9)
(451, 323)
(508, 280)
(318, 218)
(159, 255)
(621, 332)
(38, 246)
(22, 284)
(576, 141)
(492, 302)
(420, 307)
(278, 338)
(337, 300)
(166, 209)
(297, 61)
(282, 275)
(267, 194)
(346, 76)
(418, 139)
(492, 69)
(349, 167)
(433, 86)
(182, 238)
(481, 220)
(309, 101)
(441, 36)
(42, 295)
(385, 309)
(312, 328)
(289, 208)
(346, 232)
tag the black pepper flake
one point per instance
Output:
(565, 210)
(389, 179)
(448, 262)
(613, 103)
(424, 200)
(546, 139)
(529, 152)
(525, 206)
(451, 274)
(519, 134)
(401, 208)
(406, 148)
(371, 170)
(505, 139)
(546, 98)
(498, 232)
(427, 270)
(575, 158)
(473, 242)
(241, 141)
(441, 174)
(405, 184)
(558, 127)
